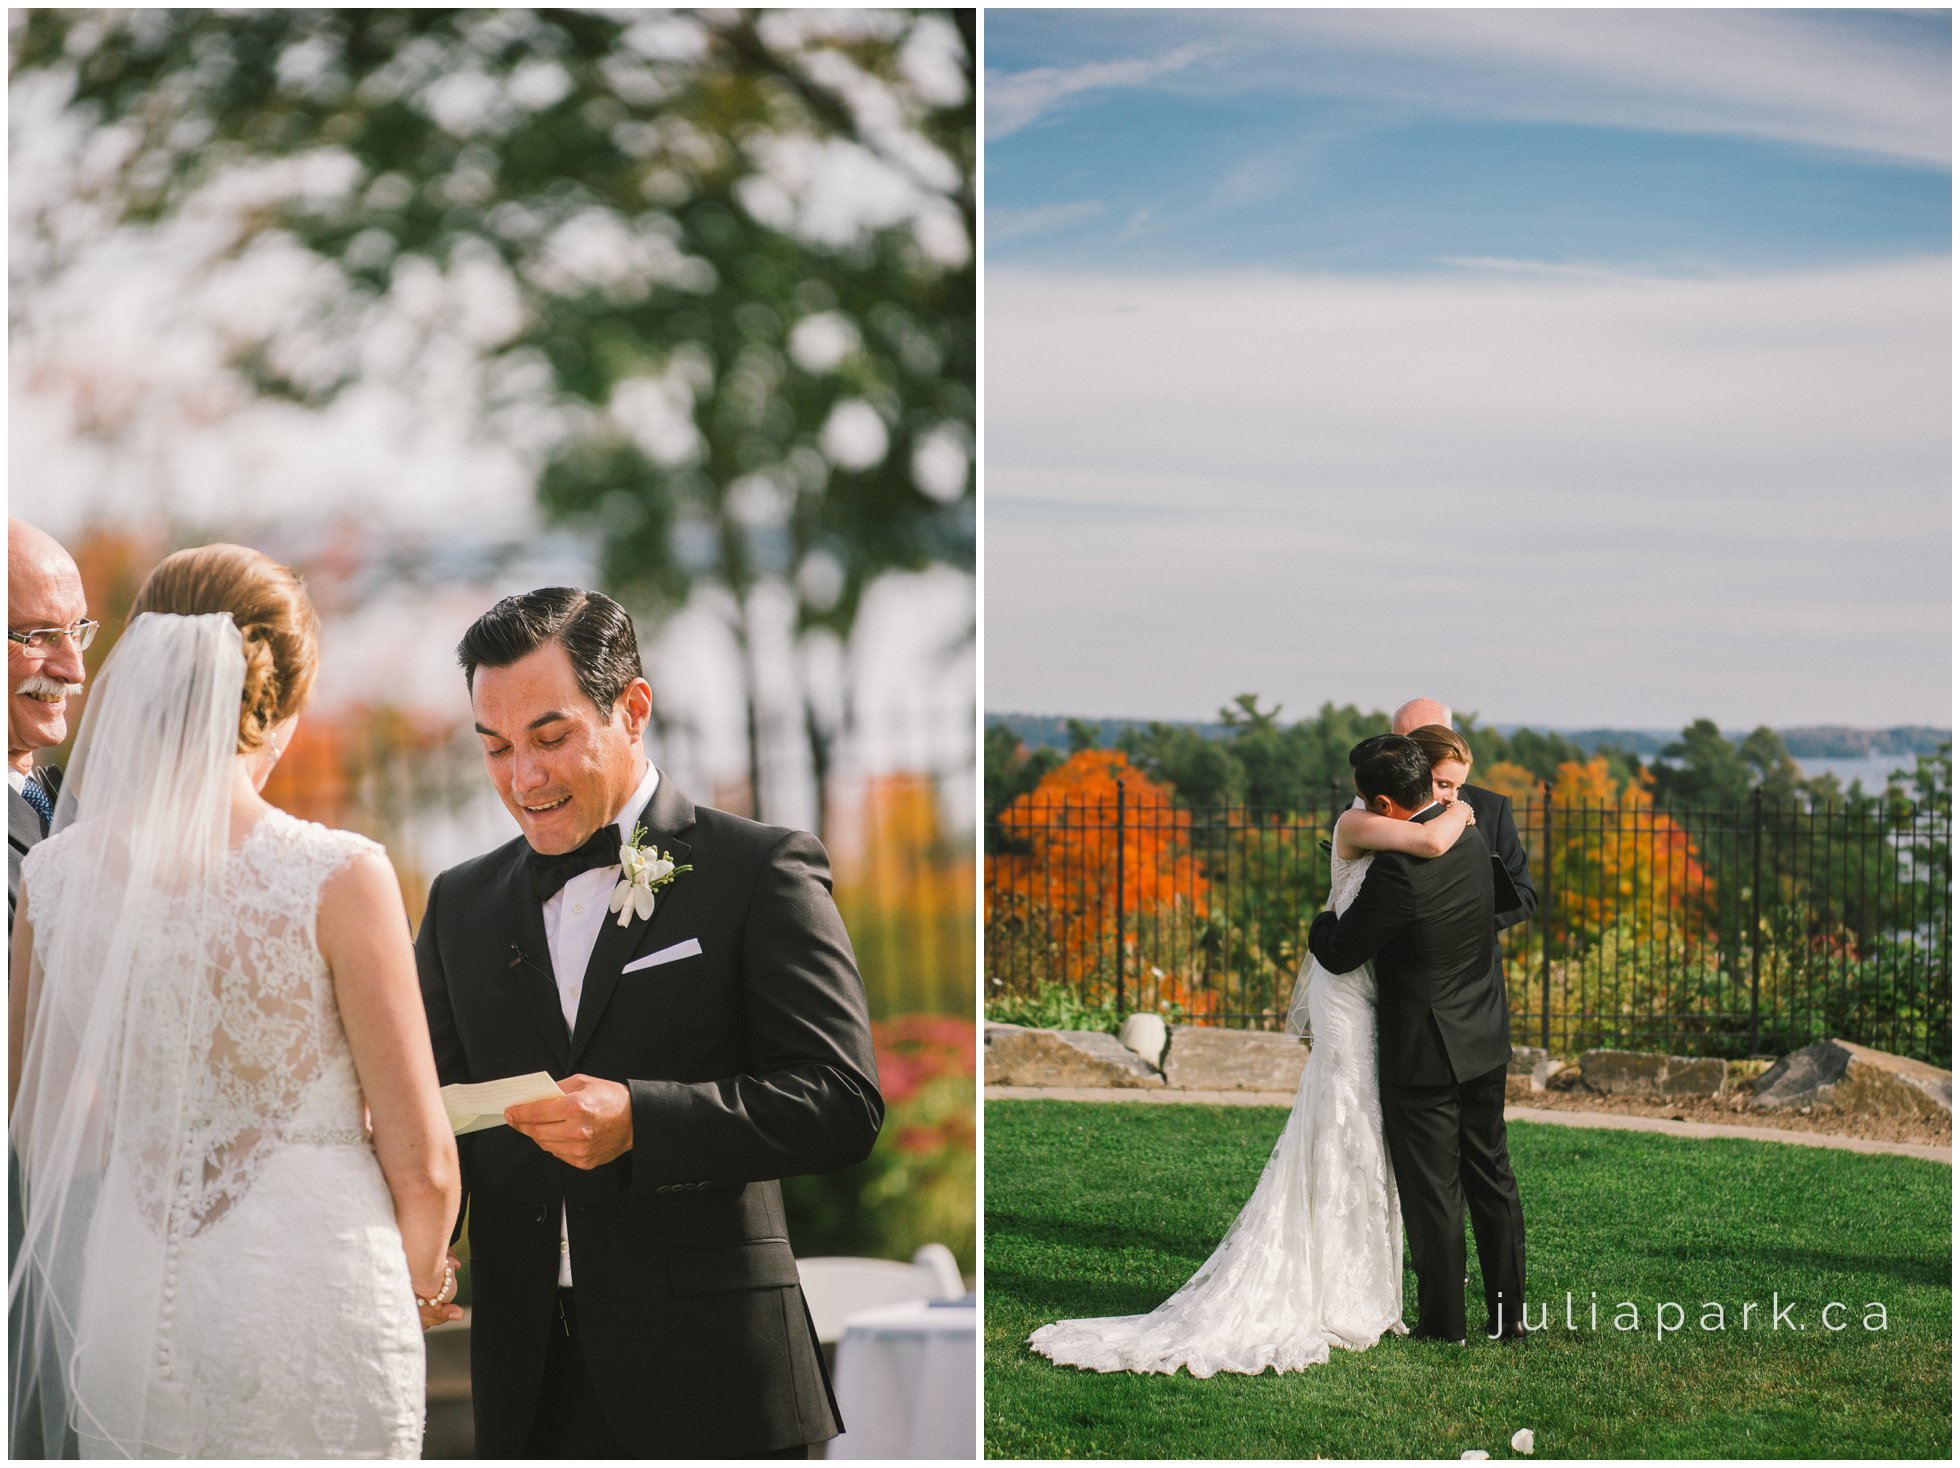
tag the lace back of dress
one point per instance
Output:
(276, 1063)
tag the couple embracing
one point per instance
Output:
(1399, 1118)
(239, 1182)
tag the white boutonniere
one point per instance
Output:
(643, 871)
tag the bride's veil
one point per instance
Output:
(118, 982)
(1296, 1006)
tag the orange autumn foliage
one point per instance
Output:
(1617, 861)
(904, 884)
(1082, 872)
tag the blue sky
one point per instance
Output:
(1625, 336)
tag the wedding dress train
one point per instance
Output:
(1314, 1260)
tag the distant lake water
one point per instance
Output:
(1872, 770)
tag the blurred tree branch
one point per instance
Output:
(716, 268)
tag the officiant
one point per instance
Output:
(1429, 723)
(47, 628)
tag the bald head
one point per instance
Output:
(44, 589)
(1417, 712)
(32, 551)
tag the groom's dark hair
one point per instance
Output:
(594, 630)
(1394, 766)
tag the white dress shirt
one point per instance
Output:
(572, 918)
(16, 779)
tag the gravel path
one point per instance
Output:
(1605, 1120)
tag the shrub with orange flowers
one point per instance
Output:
(1094, 853)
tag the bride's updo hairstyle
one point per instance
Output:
(1440, 742)
(274, 615)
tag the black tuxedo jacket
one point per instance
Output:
(747, 1062)
(1500, 832)
(1427, 924)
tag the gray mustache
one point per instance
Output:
(41, 683)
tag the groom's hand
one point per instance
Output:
(588, 1126)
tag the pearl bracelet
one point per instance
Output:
(444, 1295)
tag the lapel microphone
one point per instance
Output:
(520, 959)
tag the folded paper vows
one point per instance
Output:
(474, 1108)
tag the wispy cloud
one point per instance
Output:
(1005, 224)
(1828, 80)
(1640, 499)
(1859, 82)
(1014, 100)
(1570, 269)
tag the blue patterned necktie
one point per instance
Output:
(34, 795)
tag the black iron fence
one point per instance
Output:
(1743, 931)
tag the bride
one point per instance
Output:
(237, 1177)
(1314, 1260)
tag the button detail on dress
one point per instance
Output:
(578, 907)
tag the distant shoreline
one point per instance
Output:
(1819, 742)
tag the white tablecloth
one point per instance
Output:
(906, 1383)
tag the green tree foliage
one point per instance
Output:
(1260, 762)
(1243, 712)
(734, 387)
(1202, 771)
(1930, 784)
(1703, 770)
(1539, 751)
(1009, 771)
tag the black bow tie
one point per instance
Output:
(550, 873)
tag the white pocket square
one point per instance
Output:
(685, 949)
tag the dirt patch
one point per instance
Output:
(1734, 1110)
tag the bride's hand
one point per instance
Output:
(433, 1315)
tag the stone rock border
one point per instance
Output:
(1639, 1073)
(1834, 1076)
(1018, 1056)
(1202, 1058)
(1189, 1057)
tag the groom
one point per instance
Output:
(635, 1294)
(1444, 1046)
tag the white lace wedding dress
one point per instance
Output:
(1314, 1260)
(245, 1293)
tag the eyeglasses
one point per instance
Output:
(47, 639)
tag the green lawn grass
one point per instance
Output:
(1102, 1209)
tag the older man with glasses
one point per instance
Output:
(47, 628)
